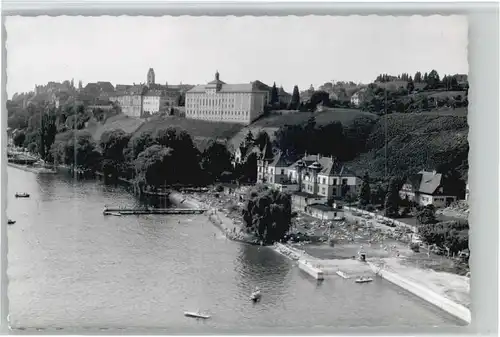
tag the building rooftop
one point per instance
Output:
(327, 165)
(324, 208)
(426, 182)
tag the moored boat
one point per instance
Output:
(363, 279)
(256, 295)
(22, 195)
(196, 315)
(11, 222)
(342, 274)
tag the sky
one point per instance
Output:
(286, 50)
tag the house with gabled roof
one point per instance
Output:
(427, 188)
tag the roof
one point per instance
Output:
(328, 166)
(324, 208)
(245, 87)
(307, 195)
(282, 160)
(425, 182)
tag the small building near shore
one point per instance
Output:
(300, 200)
(428, 188)
(324, 212)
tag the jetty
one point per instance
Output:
(134, 211)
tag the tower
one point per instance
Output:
(150, 77)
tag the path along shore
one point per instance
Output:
(448, 291)
(32, 169)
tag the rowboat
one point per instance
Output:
(196, 315)
(342, 274)
(22, 195)
(256, 295)
(11, 222)
(363, 280)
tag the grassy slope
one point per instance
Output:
(120, 122)
(414, 142)
(273, 122)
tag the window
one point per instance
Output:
(344, 181)
(323, 190)
(324, 181)
(334, 181)
(282, 171)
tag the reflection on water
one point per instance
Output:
(70, 266)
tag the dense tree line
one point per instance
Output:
(452, 236)
(333, 139)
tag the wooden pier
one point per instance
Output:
(133, 211)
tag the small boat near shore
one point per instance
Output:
(112, 213)
(22, 195)
(363, 279)
(11, 222)
(256, 295)
(342, 274)
(196, 315)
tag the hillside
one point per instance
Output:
(274, 121)
(118, 122)
(196, 128)
(415, 142)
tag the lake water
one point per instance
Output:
(71, 267)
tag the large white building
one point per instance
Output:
(221, 102)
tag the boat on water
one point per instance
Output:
(363, 279)
(256, 295)
(11, 222)
(342, 274)
(22, 195)
(196, 315)
(112, 213)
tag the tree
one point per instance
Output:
(216, 160)
(418, 77)
(365, 193)
(19, 138)
(268, 214)
(249, 140)
(433, 80)
(410, 86)
(274, 94)
(262, 139)
(295, 101)
(138, 144)
(48, 131)
(427, 215)
(392, 199)
(113, 144)
(154, 166)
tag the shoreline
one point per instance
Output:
(220, 220)
(398, 274)
(39, 170)
(401, 277)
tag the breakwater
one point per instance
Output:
(439, 301)
(132, 211)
